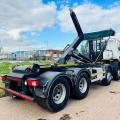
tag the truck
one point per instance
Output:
(51, 85)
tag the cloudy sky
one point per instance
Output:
(41, 24)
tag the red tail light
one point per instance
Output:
(33, 83)
(2, 78)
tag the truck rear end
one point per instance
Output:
(47, 85)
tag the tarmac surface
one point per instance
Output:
(102, 103)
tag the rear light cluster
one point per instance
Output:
(33, 83)
(3, 78)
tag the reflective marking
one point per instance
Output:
(95, 74)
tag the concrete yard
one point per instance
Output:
(102, 103)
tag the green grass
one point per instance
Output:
(1, 91)
(6, 67)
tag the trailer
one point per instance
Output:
(52, 85)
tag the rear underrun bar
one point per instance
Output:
(30, 99)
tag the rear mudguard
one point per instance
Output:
(46, 80)
(77, 71)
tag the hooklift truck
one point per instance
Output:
(52, 85)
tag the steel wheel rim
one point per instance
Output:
(83, 85)
(59, 93)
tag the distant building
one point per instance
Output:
(23, 55)
(28, 55)
(53, 54)
(4, 56)
(41, 52)
(12, 56)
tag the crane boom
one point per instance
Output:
(81, 37)
(76, 42)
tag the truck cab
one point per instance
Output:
(112, 50)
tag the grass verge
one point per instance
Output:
(6, 68)
(2, 93)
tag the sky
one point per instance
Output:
(46, 24)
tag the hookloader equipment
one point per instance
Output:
(52, 85)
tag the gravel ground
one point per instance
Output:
(102, 103)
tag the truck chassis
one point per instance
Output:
(52, 85)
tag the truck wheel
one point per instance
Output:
(117, 75)
(82, 86)
(58, 95)
(108, 78)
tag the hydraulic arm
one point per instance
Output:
(75, 43)
(90, 37)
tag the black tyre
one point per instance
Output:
(117, 74)
(82, 86)
(108, 78)
(58, 95)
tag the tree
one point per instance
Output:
(36, 56)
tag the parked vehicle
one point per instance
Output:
(52, 85)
